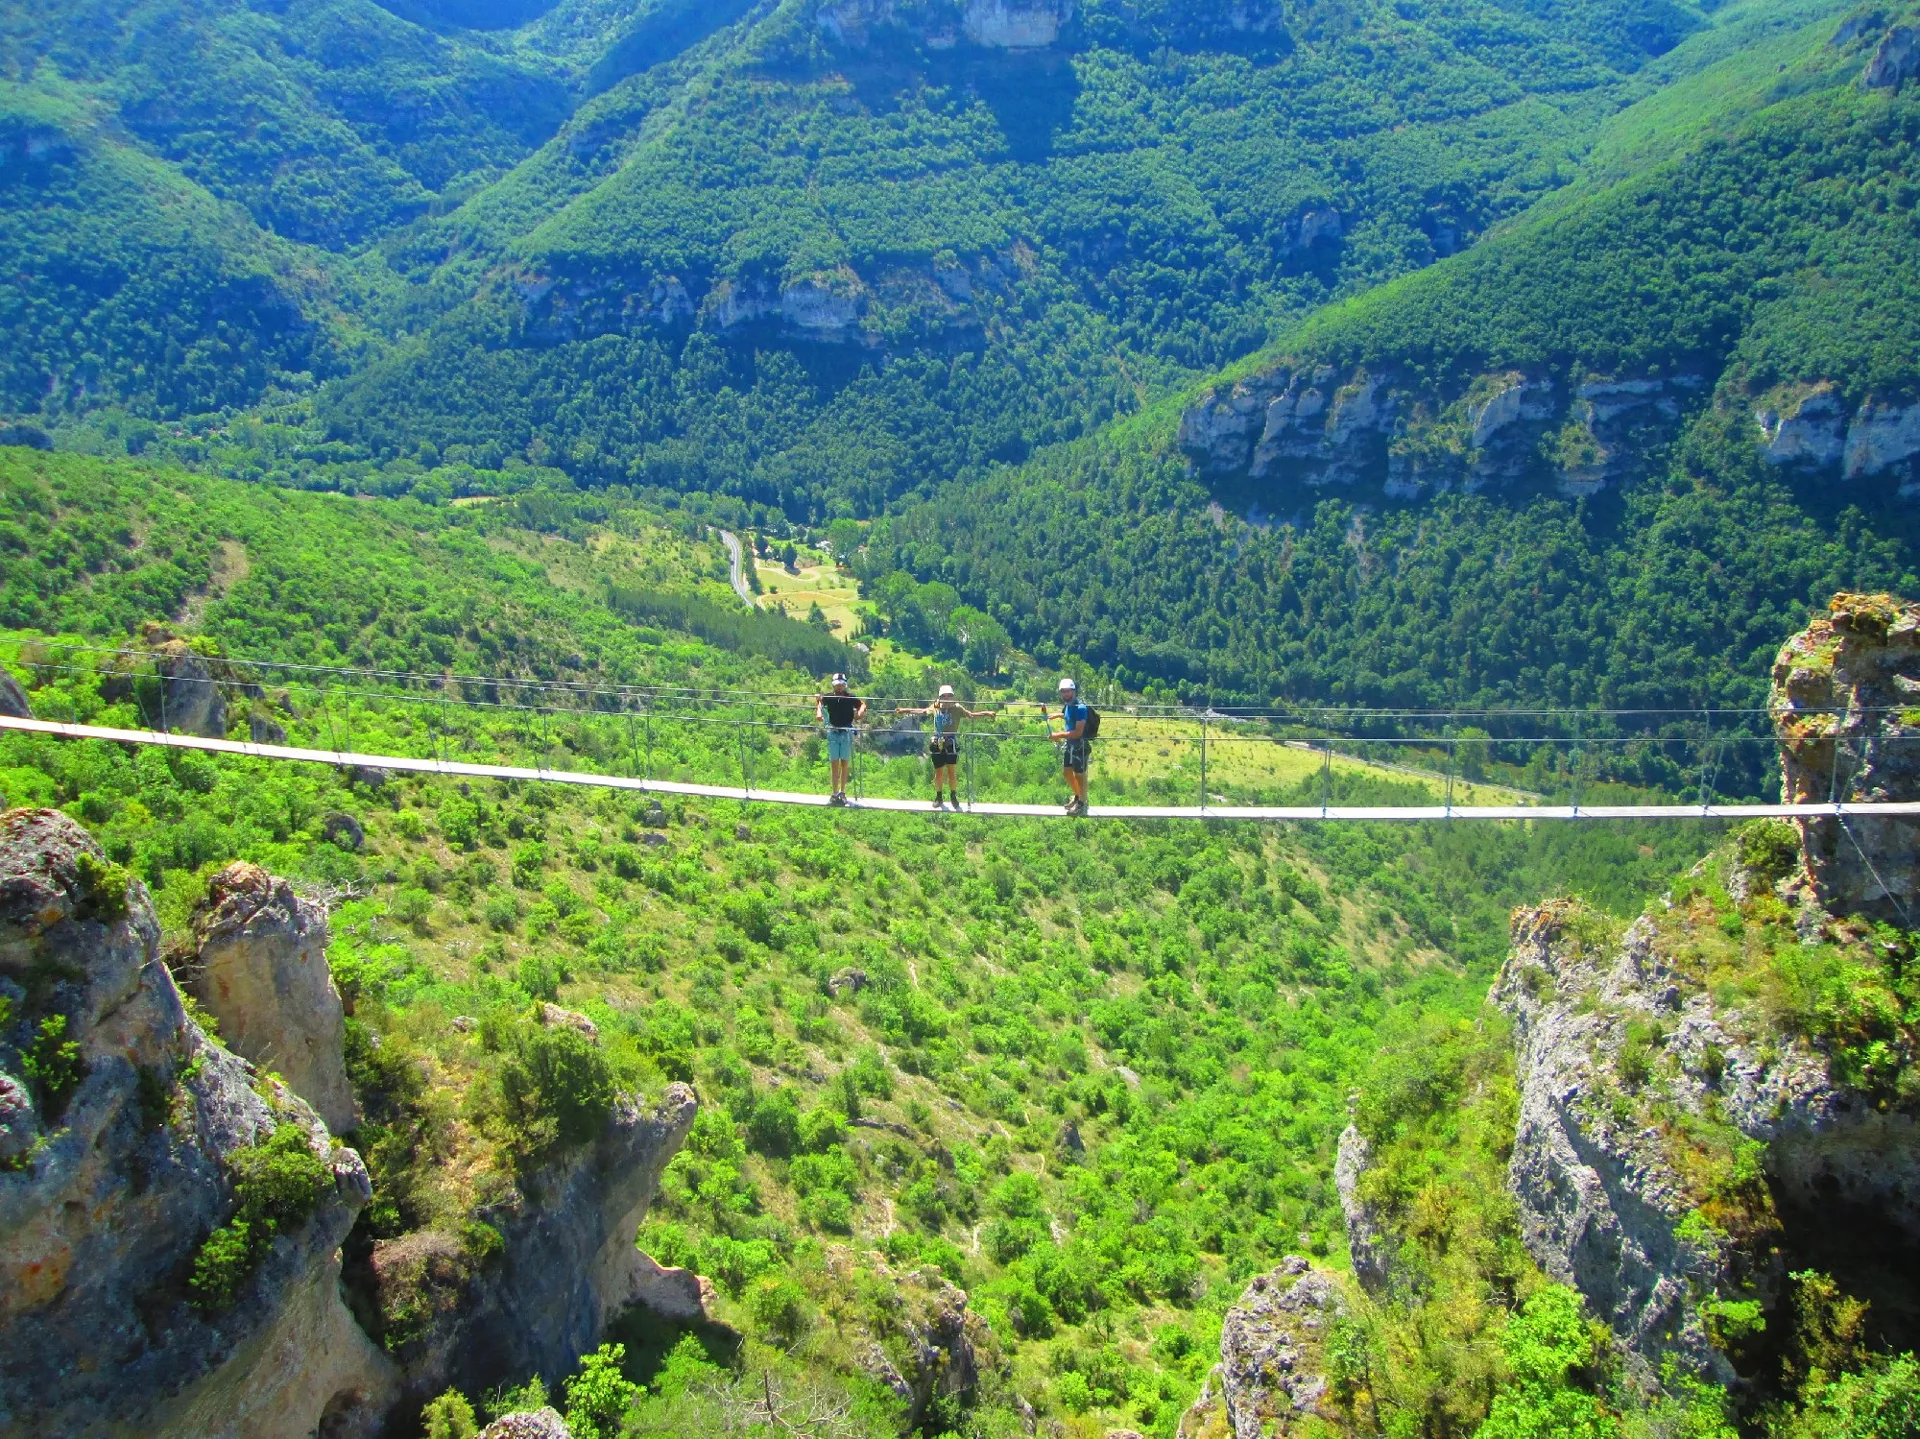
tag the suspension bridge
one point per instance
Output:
(746, 794)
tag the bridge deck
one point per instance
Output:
(1364, 813)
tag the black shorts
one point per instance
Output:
(1073, 755)
(944, 750)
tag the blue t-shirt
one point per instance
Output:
(1073, 716)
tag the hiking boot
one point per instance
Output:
(836, 798)
(939, 802)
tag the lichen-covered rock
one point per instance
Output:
(13, 699)
(1846, 712)
(568, 1261)
(190, 700)
(1664, 1131)
(1271, 1380)
(555, 1017)
(126, 1172)
(260, 966)
(533, 1424)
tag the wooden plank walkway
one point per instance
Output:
(1340, 813)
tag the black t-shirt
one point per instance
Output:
(840, 709)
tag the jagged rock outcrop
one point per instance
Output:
(1271, 1380)
(1302, 426)
(1846, 712)
(932, 1346)
(1895, 61)
(260, 967)
(124, 1171)
(672, 1292)
(190, 700)
(1369, 1246)
(568, 1261)
(13, 699)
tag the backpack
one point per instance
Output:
(1092, 730)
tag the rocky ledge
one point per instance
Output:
(120, 1123)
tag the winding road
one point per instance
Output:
(735, 571)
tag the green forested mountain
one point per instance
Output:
(1638, 529)
(810, 254)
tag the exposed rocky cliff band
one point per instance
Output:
(117, 1166)
(260, 966)
(1301, 427)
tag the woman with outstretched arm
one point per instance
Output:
(944, 749)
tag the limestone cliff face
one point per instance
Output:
(943, 24)
(114, 1168)
(947, 299)
(1271, 1380)
(567, 1266)
(1640, 1094)
(190, 699)
(1297, 428)
(1846, 711)
(1812, 427)
(261, 967)
(1369, 1245)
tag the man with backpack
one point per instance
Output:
(839, 711)
(1080, 723)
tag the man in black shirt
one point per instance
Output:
(840, 711)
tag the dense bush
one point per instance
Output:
(276, 1186)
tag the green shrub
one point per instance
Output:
(555, 1088)
(774, 1125)
(103, 888)
(1880, 1403)
(277, 1184)
(53, 1063)
(502, 911)
(449, 1417)
(779, 1308)
(1770, 848)
(1549, 1349)
(599, 1396)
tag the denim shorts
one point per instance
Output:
(839, 744)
